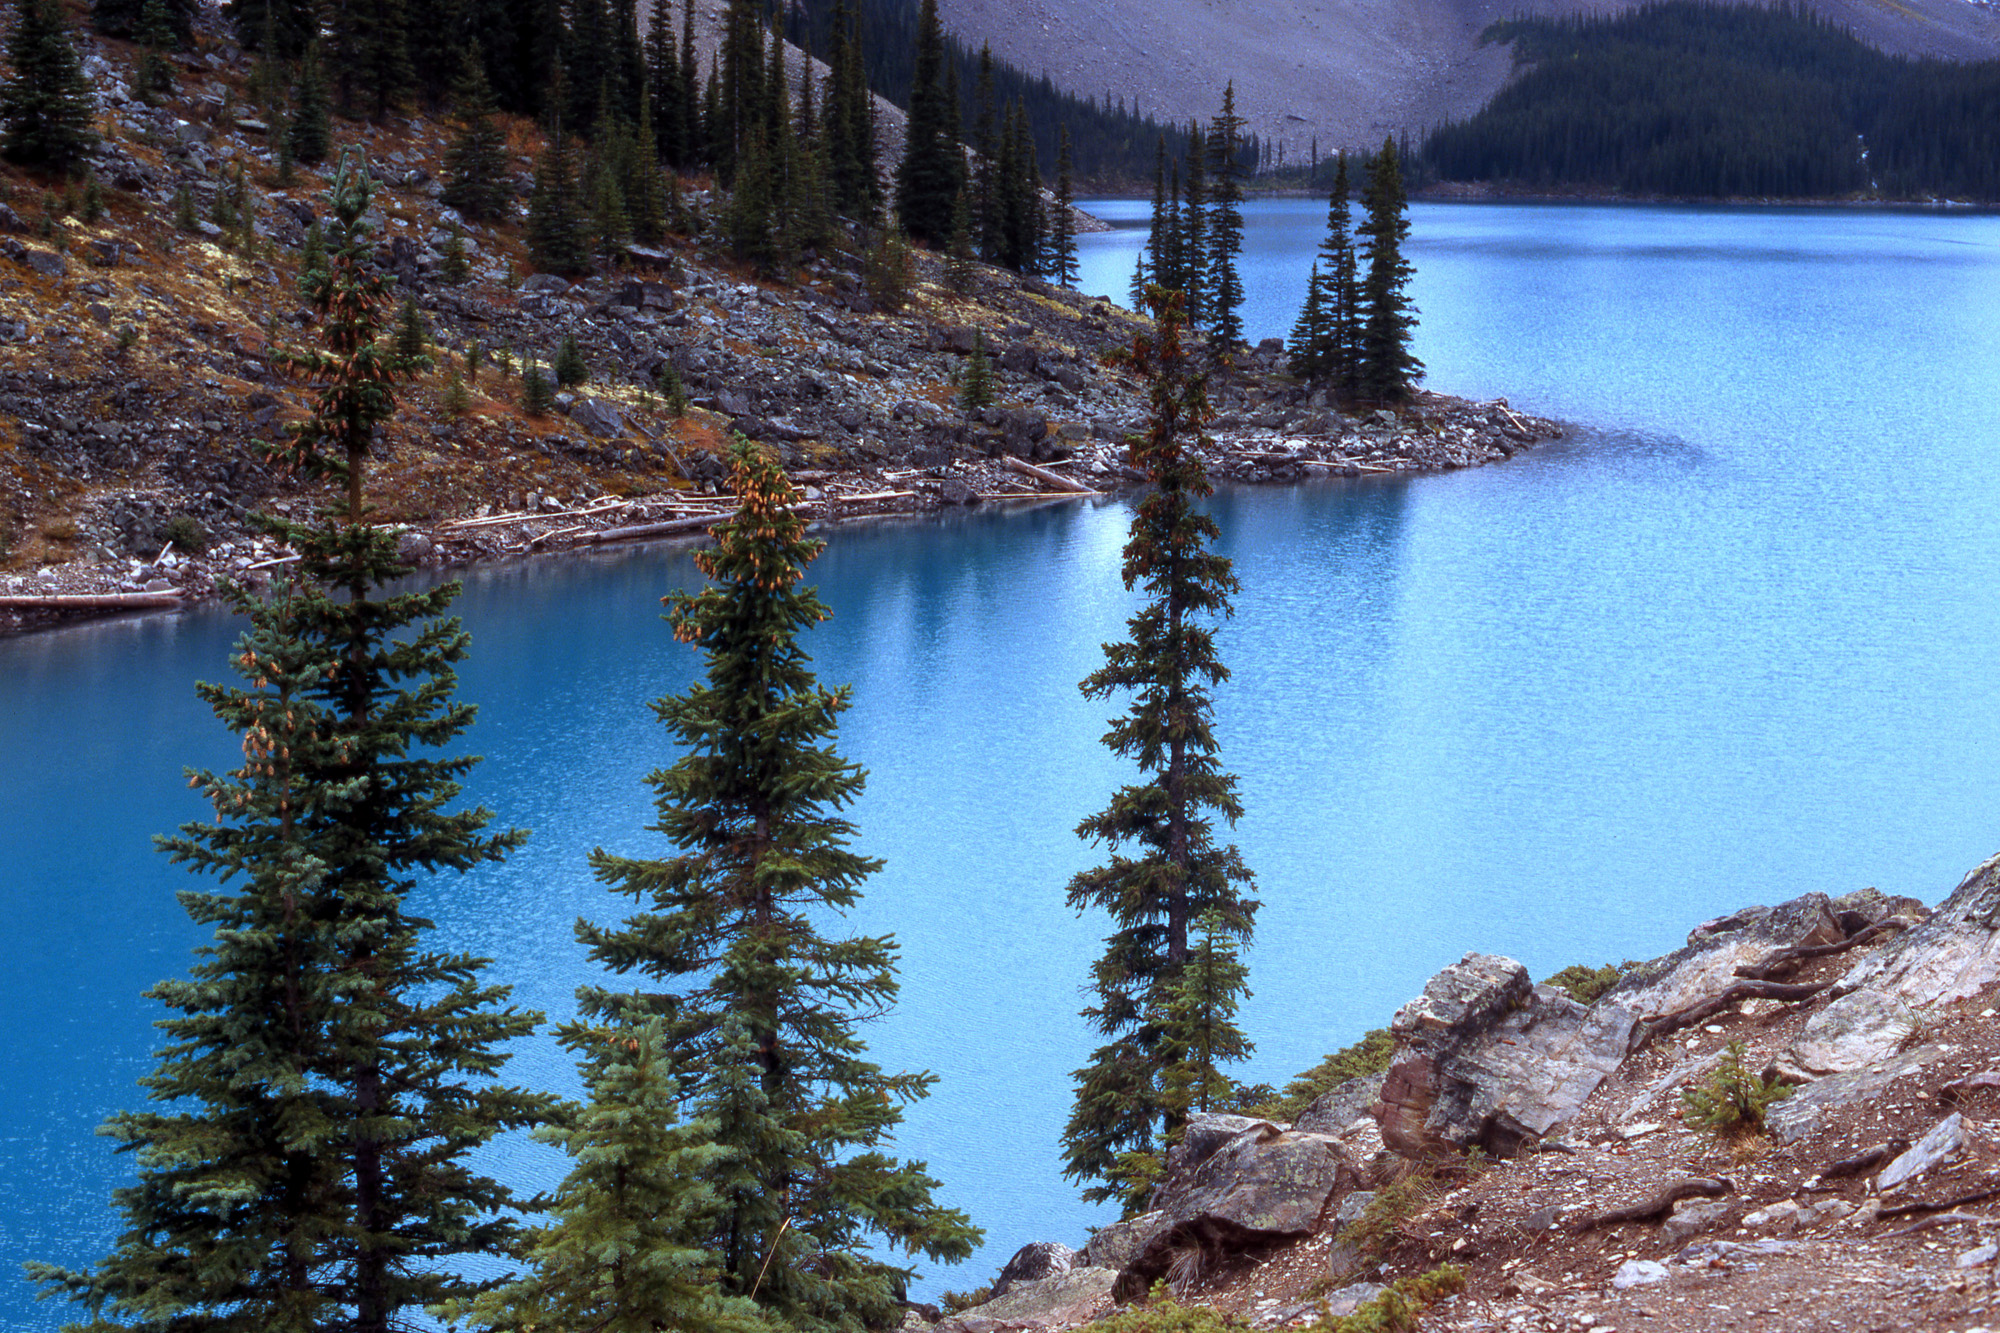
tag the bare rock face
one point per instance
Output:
(1262, 1186)
(1800, 1114)
(1034, 1262)
(1073, 1297)
(1483, 1057)
(1201, 1138)
(1954, 954)
(1853, 1032)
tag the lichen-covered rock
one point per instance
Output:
(1953, 954)
(1201, 1138)
(1853, 1032)
(1263, 1186)
(1034, 1262)
(1333, 1111)
(1119, 1244)
(1064, 1301)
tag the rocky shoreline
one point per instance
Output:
(1544, 1148)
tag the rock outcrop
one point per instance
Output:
(1072, 1297)
(1952, 954)
(1036, 1261)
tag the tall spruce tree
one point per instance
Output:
(1062, 228)
(1199, 1023)
(310, 133)
(928, 177)
(1306, 349)
(328, 1070)
(370, 58)
(1166, 869)
(45, 104)
(558, 233)
(1147, 272)
(1385, 367)
(1225, 224)
(1194, 232)
(1340, 360)
(761, 1009)
(475, 165)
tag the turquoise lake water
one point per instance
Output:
(1733, 639)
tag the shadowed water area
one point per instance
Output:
(1730, 641)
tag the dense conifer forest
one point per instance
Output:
(1718, 100)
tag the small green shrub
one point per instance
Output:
(569, 366)
(1368, 1056)
(977, 389)
(537, 395)
(1585, 984)
(1731, 1099)
(952, 1302)
(1392, 1205)
(1169, 1316)
(457, 400)
(887, 272)
(672, 391)
(1400, 1306)
(185, 532)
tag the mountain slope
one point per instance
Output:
(1347, 71)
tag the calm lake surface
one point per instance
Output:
(1732, 640)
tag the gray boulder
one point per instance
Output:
(1263, 1186)
(1943, 1144)
(1485, 1058)
(1333, 1111)
(598, 417)
(1800, 1114)
(1955, 953)
(1117, 1245)
(1064, 1301)
(1691, 1217)
(1201, 1138)
(1853, 1032)
(1034, 1262)
(544, 284)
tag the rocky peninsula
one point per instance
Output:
(141, 393)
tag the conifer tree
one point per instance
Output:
(1194, 232)
(609, 223)
(928, 177)
(571, 370)
(850, 123)
(311, 130)
(1166, 869)
(127, 18)
(411, 343)
(1339, 358)
(977, 390)
(752, 222)
(457, 267)
(742, 103)
(958, 257)
(557, 239)
(370, 58)
(475, 165)
(663, 81)
(986, 144)
(617, 1256)
(1146, 273)
(1199, 1023)
(328, 1069)
(1306, 349)
(1062, 230)
(644, 191)
(760, 1007)
(1385, 366)
(45, 103)
(537, 394)
(1225, 225)
(156, 35)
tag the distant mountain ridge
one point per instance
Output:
(1346, 72)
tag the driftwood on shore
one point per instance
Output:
(1055, 479)
(104, 601)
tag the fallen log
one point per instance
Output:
(1648, 1028)
(1343, 462)
(1054, 479)
(1941, 1220)
(1867, 1161)
(640, 531)
(108, 601)
(1658, 1206)
(1785, 960)
(1943, 1205)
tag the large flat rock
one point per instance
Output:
(1953, 954)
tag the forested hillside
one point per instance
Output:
(1714, 100)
